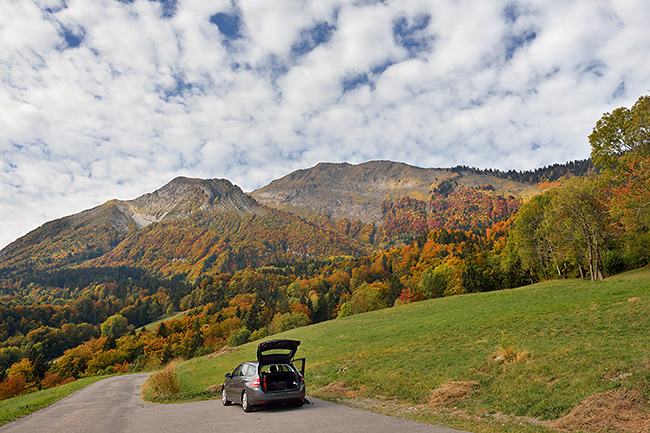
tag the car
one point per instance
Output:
(273, 378)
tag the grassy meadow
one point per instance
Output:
(534, 352)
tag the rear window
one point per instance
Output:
(276, 368)
(277, 352)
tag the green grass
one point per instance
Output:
(153, 325)
(18, 407)
(580, 338)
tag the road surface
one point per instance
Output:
(114, 405)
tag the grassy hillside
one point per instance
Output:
(532, 352)
(153, 325)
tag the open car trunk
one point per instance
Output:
(279, 377)
(276, 368)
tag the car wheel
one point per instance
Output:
(245, 404)
(224, 398)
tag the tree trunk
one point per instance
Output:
(550, 247)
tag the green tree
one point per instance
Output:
(239, 336)
(434, 281)
(252, 319)
(162, 330)
(116, 325)
(579, 215)
(39, 364)
(532, 238)
(366, 297)
(284, 322)
(621, 133)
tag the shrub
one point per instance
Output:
(259, 334)
(13, 386)
(287, 321)
(239, 337)
(162, 384)
(507, 353)
(54, 379)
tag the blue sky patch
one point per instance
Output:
(168, 7)
(351, 83)
(229, 25)
(516, 42)
(412, 35)
(179, 88)
(379, 69)
(620, 90)
(596, 68)
(512, 12)
(72, 39)
(320, 34)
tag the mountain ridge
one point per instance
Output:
(96, 231)
(356, 192)
(328, 209)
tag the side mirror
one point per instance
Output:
(227, 375)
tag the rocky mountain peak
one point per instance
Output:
(184, 196)
(347, 190)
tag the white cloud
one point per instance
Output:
(110, 99)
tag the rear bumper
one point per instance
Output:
(256, 396)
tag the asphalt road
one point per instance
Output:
(114, 405)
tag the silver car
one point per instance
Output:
(273, 378)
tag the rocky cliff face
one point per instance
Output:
(182, 196)
(357, 191)
(345, 190)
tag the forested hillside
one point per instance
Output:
(79, 287)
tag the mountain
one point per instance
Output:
(182, 197)
(196, 227)
(360, 192)
(188, 226)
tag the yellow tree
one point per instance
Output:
(579, 217)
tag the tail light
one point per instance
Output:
(256, 382)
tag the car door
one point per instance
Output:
(299, 363)
(234, 384)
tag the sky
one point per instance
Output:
(109, 99)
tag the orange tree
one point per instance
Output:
(620, 145)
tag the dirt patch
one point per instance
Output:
(222, 351)
(214, 388)
(335, 389)
(620, 410)
(451, 393)
(392, 407)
